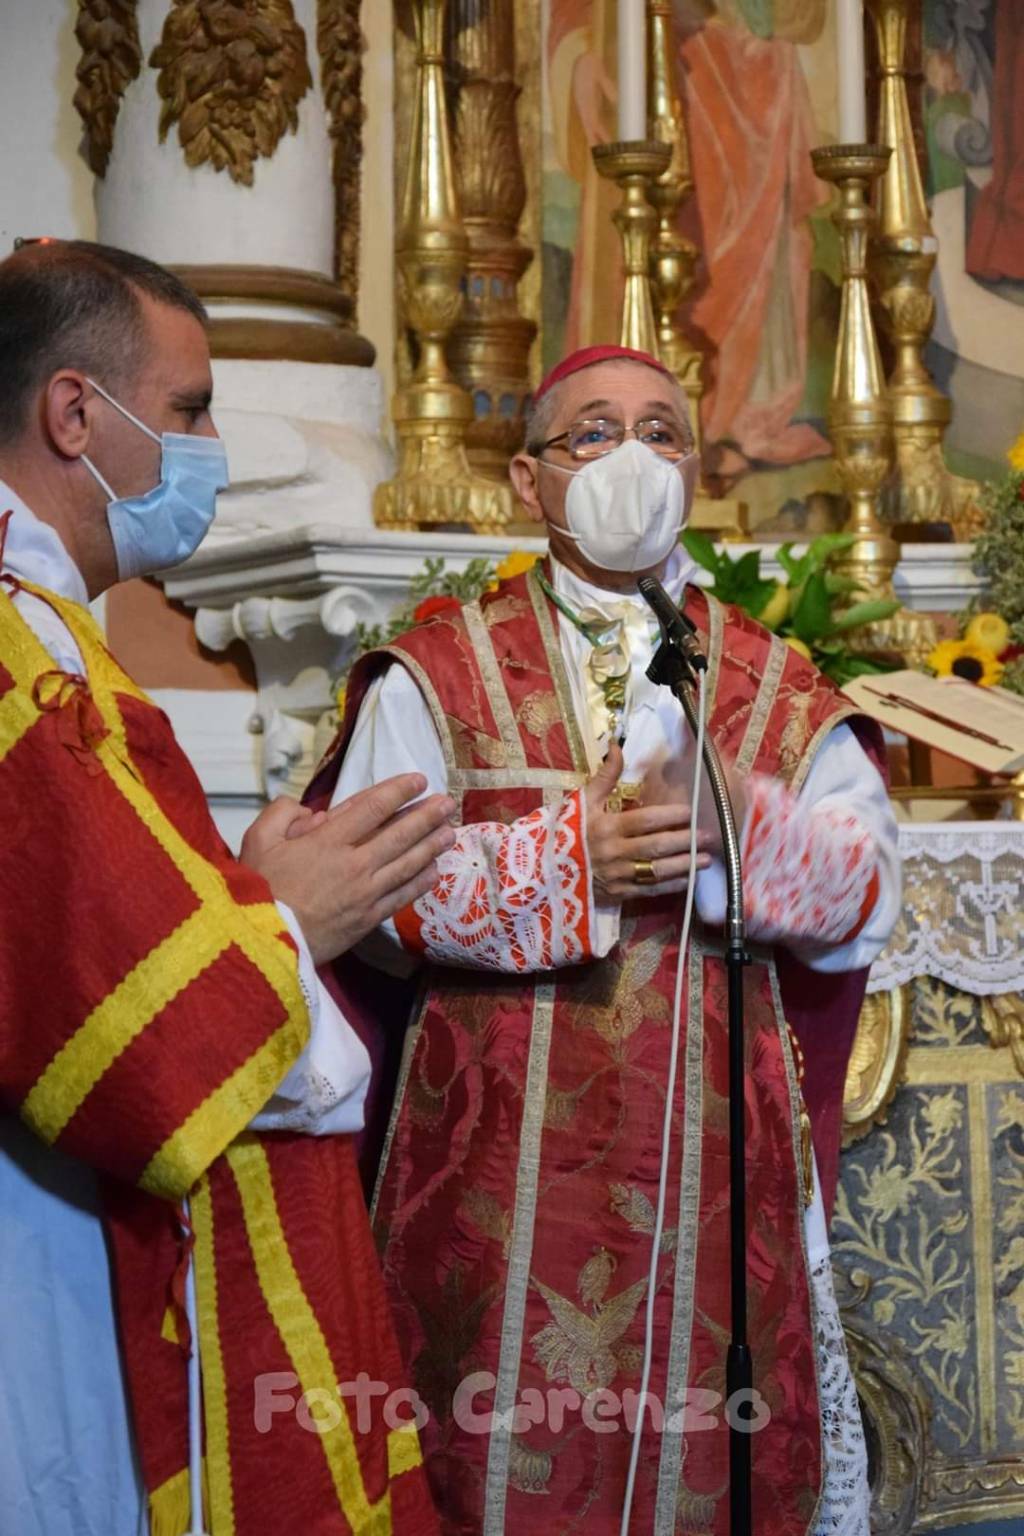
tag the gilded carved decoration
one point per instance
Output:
(108, 35)
(434, 483)
(232, 73)
(927, 1231)
(877, 1061)
(489, 349)
(1002, 1019)
(341, 45)
(896, 1412)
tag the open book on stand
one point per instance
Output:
(980, 726)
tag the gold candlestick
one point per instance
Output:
(859, 413)
(489, 349)
(673, 258)
(434, 484)
(903, 257)
(634, 165)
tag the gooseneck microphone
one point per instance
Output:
(675, 626)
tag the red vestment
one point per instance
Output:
(149, 1006)
(516, 1197)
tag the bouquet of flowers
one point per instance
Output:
(991, 647)
(431, 591)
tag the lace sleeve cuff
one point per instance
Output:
(809, 874)
(510, 898)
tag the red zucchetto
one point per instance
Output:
(586, 357)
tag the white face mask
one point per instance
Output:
(626, 510)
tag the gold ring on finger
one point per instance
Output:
(643, 872)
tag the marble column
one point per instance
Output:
(234, 158)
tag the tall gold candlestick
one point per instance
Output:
(634, 165)
(489, 349)
(903, 256)
(434, 484)
(859, 413)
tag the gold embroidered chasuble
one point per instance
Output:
(515, 1202)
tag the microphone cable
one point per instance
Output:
(670, 1090)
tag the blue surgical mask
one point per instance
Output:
(168, 523)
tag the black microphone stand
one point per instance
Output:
(673, 667)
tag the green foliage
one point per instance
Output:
(999, 551)
(736, 581)
(432, 581)
(804, 607)
(1013, 675)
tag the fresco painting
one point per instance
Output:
(758, 85)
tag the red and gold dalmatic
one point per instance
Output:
(149, 1006)
(516, 1199)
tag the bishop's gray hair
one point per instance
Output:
(540, 414)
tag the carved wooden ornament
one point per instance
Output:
(232, 73)
(340, 43)
(108, 35)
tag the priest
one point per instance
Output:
(174, 1082)
(515, 1203)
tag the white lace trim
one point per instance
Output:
(962, 893)
(511, 898)
(806, 875)
(846, 1498)
(320, 1097)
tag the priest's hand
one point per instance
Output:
(343, 871)
(652, 842)
(668, 780)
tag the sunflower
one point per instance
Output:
(965, 658)
(989, 631)
(1016, 454)
(515, 564)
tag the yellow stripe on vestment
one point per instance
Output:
(17, 716)
(403, 1450)
(219, 1490)
(112, 1026)
(24, 658)
(168, 1506)
(220, 922)
(301, 1334)
(106, 681)
(104, 675)
(191, 1149)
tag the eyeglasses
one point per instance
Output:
(593, 439)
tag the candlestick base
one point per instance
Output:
(903, 256)
(634, 164)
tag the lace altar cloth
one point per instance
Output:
(962, 919)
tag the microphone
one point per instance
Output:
(676, 628)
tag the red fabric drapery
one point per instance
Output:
(996, 245)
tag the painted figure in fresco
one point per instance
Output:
(996, 246)
(751, 128)
(517, 1190)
